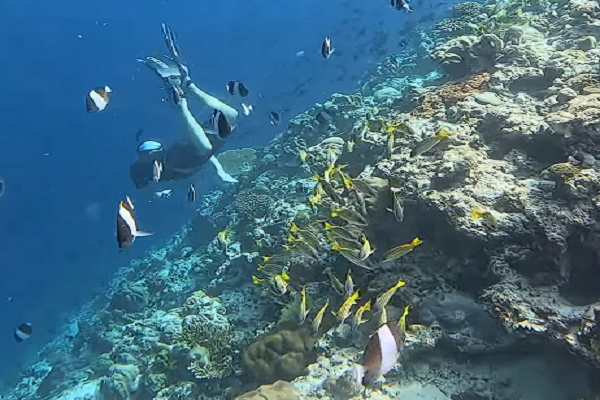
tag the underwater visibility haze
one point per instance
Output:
(300, 200)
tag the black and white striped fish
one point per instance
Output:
(157, 170)
(97, 99)
(191, 195)
(382, 352)
(220, 125)
(127, 228)
(326, 49)
(23, 332)
(234, 87)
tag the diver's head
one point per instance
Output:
(150, 151)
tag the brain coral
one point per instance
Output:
(281, 354)
(253, 205)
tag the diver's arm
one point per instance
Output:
(194, 127)
(230, 113)
(221, 172)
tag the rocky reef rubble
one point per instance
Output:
(487, 152)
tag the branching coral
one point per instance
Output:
(212, 345)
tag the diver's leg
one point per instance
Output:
(194, 127)
(221, 172)
(230, 113)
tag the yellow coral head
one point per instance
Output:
(335, 213)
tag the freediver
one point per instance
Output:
(188, 155)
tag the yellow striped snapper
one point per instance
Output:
(341, 232)
(402, 250)
(383, 318)
(398, 209)
(366, 249)
(349, 215)
(351, 255)
(344, 311)
(357, 320)
(428, 144)
(304, 310)
(383, 300)
(224, 237)
(349, 285)
(403, 318)
(306, 235)
(319, 318)
(271, 269)
(335, 282)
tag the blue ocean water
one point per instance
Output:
(66, 170)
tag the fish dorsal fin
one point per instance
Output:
(142, 233)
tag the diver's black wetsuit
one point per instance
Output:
(181, 160)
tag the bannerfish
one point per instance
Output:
(382, 352)
(220, 124)
(234, 87)
(127, 229)
(247, 109)
(326, 49)
(400, 5)
(157, 169)
(191, 195)
(1, 186)
(165, 194)
(23, 332)
(274, 118)
(97, 99)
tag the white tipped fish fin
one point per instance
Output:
(221, 172)
(142, 233)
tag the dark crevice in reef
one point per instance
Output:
(583, 277)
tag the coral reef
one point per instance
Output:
(465, 173)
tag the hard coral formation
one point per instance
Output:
(281, 354)
(252, 204)
(211, 340)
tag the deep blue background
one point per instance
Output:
(57, 241)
